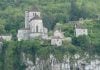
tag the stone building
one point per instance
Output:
(57, 38)
(6, 37)
(33, 26)
(80, 30)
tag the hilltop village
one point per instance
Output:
(61, 56)
(34, 28)
(49, 34)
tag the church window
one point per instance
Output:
(33, 14)
(36, 28)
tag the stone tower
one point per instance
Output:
(29, 15)
(33, 26)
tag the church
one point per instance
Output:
(33, 26)
(34, 29)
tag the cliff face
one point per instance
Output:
(68, 64)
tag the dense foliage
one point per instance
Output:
(11, 55)
(12, 12)
(52, 11)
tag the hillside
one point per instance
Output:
(53, 11)
(35, 53)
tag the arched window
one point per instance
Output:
(33, 14)
(36, 28)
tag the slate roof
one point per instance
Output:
(36, 17)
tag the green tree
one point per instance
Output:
(81, 41)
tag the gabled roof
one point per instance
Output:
(35, 18)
